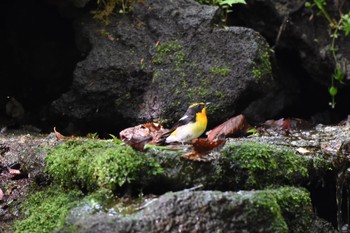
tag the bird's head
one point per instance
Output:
(198, 108)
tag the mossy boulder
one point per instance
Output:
(111, 168)
(154, 62)
(104, 169)
(94, 164)
(285, 209)
(239, 165)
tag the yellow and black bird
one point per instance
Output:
(190, 126)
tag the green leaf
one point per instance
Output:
(333, 91)
(320, 3)
(338, 75)
(334, 35)
(346, 24)
(333, 49)
(308, 5)
(231, 2)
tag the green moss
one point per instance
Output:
(220, 71)
(296, 207)
(197, 93)
(168, 52)
(263, 67)
(265, 206)
(289, 207)
(174, 60)
(45, 211)
(261, 165)
(92, 164)
(220, 95)
(156, 76)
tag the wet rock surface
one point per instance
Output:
(212, 211)
(151, 63)
(311, 158)
(22, 162)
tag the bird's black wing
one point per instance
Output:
(189, 116)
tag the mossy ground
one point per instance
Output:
(238, 166)
(107, 166)
(45, 211)
(296, 207)
(93, 164)
(259, 165)
(96, 167)
(289, 207)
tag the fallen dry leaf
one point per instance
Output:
(303, 151)
(58, 135)
(203, 145)
(1, 194)
(234, 125)
(202, 149)
(287, 124)
(282, 124)
(14, 171)
(140, 135)
(10, 190)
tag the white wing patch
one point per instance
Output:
(183, 118)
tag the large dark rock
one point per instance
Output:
(290, 25)
(301, 40)
(280, 210)
(152, 63)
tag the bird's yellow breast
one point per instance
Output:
(190, 131)
(201, 120)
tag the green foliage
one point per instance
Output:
(333, 91)
(263, 164)
(335, 26)
(225, 5)
(45, 211)
(253, 133)
(221, 2)
(107, 7)
(346, 24)
(92, 164)
(92, 135)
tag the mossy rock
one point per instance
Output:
(46, 210)
(285, 209)
(240, 165)
(92, 164)
(261, 165)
